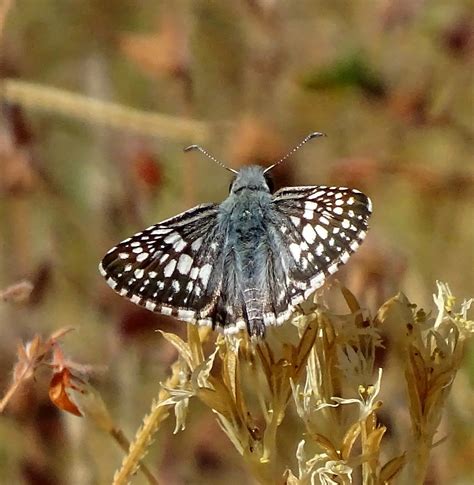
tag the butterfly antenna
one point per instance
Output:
(208, 155)
(316, 134)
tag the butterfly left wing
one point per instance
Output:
(169, 268)
(319, 228)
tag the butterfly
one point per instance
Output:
(246, 263)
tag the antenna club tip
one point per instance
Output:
(190, 147)
(316, 134)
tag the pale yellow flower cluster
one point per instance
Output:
(328, 374)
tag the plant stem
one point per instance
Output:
(145, 434)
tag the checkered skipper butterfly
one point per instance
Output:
(247, 262)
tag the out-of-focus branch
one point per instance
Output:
(46, 98)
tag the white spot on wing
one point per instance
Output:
(369, 204)
(309, 234)
(186, 315)
(169, 268)
(319, 249)
(160, 231)
(322, 232)
(332, 269)
(295, 220)
(345, 257)
(141, 257)
(166, 310)
(194, 273)
(354, 245)
(179, 245)
(317, 194)
(184, 264)
(149, 305)
(204, 273)
(196, 244)
(111, 283)
(295, 250)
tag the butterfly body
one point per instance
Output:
(246, 217)
(245, 263)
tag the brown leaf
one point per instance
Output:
(58, 388)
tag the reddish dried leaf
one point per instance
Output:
(60, 383)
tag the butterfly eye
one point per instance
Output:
(270, 183)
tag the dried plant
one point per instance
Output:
(331, 378)
(69, 388)
(29, 357)
(328, 375)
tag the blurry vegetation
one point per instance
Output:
(98, 99)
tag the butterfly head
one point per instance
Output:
(251, 178)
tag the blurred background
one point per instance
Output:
(98, 100)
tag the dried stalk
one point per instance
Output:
(61, 102)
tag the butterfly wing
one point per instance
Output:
(177, 267)
(170, 268)
(318, 228)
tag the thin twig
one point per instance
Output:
(46, 98)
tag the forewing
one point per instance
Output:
(169, 267)
(320, 227)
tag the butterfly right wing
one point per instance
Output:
(317, 228)
(171, 267)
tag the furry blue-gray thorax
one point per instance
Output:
(251, 178)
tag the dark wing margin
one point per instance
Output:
(320, 227)
(169, 268)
